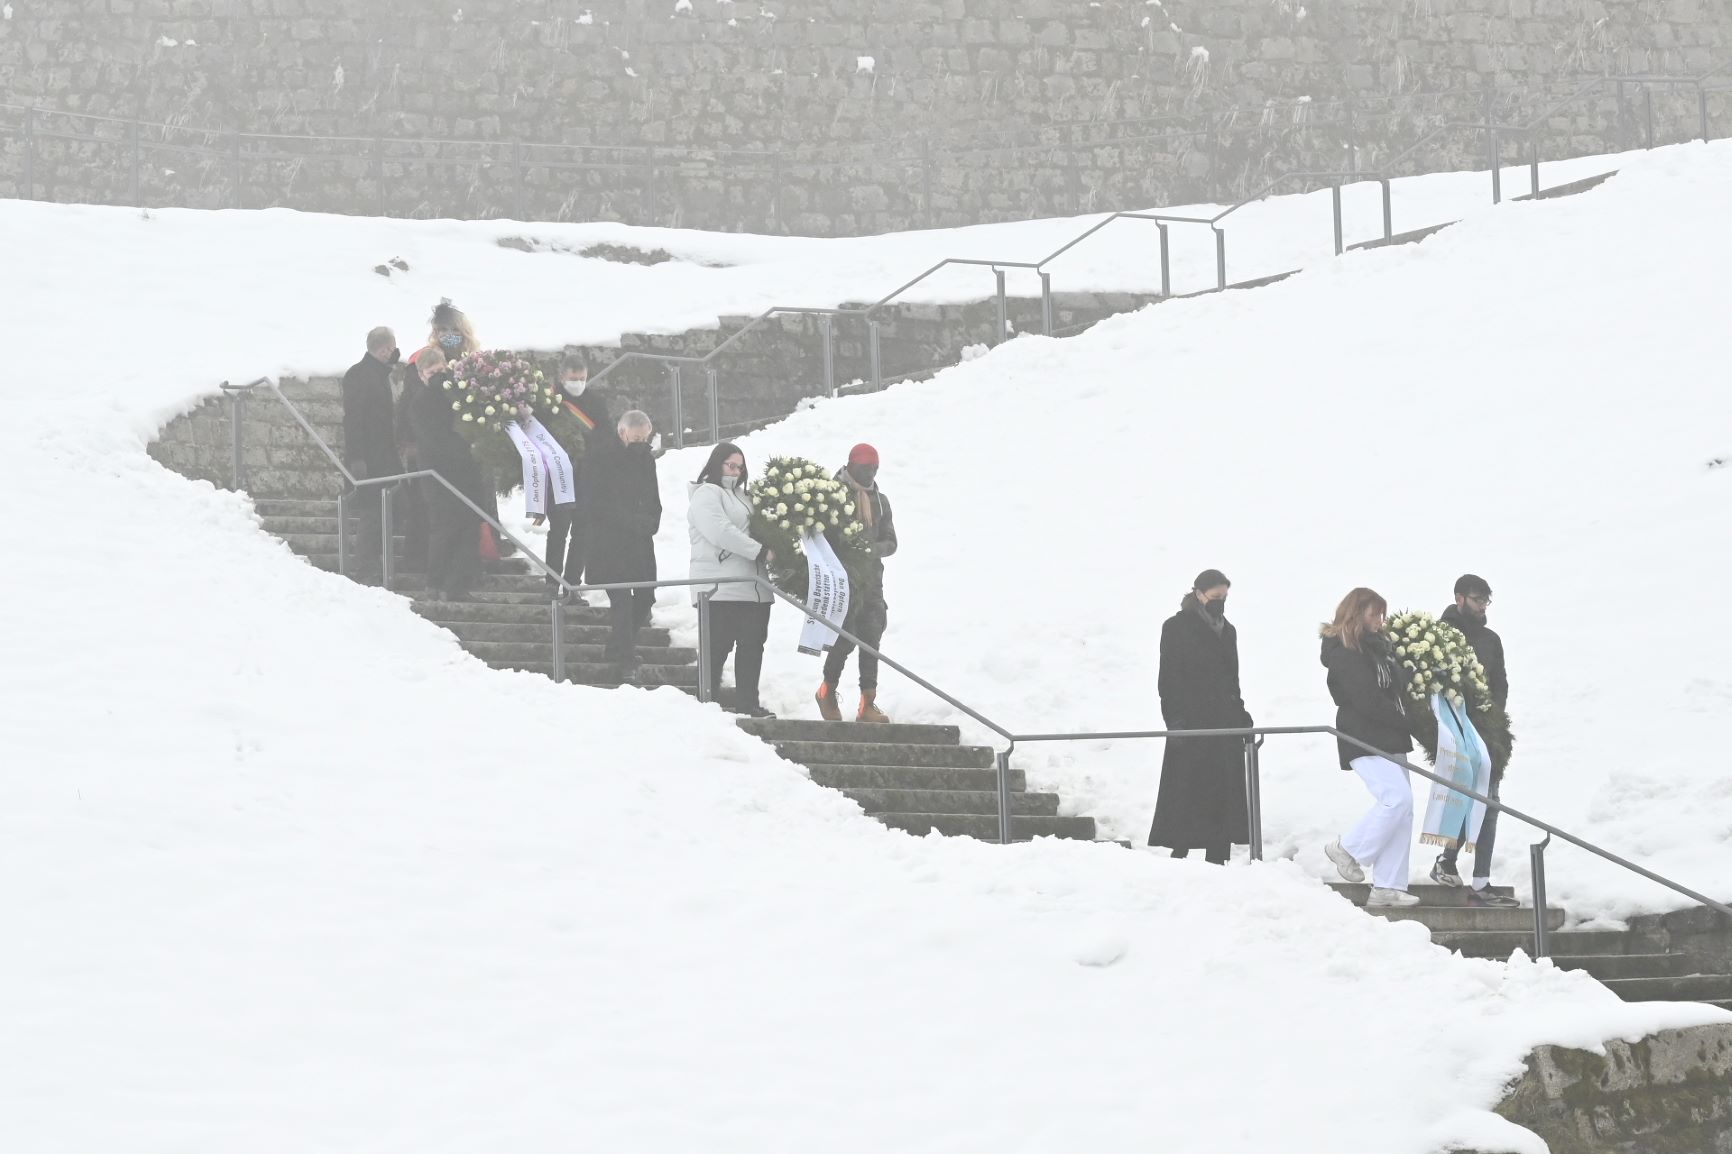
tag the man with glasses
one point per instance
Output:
(1468, 614)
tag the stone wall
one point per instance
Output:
(807, 116)
(1667, 1094)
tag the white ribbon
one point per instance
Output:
(547, 470)
(826, 593)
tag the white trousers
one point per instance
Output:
(1382, 840)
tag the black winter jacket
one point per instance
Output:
(620, 502)
(368, 438)
(1487, 646)
(1366, 686)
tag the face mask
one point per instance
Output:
(450, 340)
(396, 355)
(575, 388)
(1216, 608)
(730, 482)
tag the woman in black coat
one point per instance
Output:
(1202, 798)
(1367, 682)
(454, 536)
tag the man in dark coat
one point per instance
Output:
(369, 439)
(621, 510)
(454, 534)
(1202, 797)
(1468, 614)
(566, 528)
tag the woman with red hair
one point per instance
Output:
(1365, 680)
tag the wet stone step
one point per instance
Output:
(951, 801)
(1470, 918)
(986, 828)
(532, 614)
(912, 777)
(1500, 944)
(1684, 988)
(852, 732)
(811, 753)
(1608, 967)
(296, 507)
(590, 630)
(579, 654)
(1429, 895)
(648, 676)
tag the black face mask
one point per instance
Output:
(1216, 608)
(396, 355)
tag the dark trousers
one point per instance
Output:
(563, 525)
(741, 626)
(867, 621)
(454, 544)
(1486, 843)
(1213, 854)
(369, 541)
(628, 611)
(409, 509)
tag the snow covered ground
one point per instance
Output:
(284, 870)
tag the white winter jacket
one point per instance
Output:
(718, 520)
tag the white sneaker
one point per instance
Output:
(1344, 863)
(1389, 899)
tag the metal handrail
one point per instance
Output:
(1252, 737)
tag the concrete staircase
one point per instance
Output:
(1636, 965)
(919, 778)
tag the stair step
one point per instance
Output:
(1469, 917)
(325, 507)
(1573, 188)
(986, 828)
(283, 524)
(952, 801)
(535, 616)
(912, 777)
(649, 676)
(515, 579)
(590, 629)
(853, 732)
(482, 596)
(811, 753)
(416, 582)
(1429, 895)
(580, 653)
(1412, 237)
(1610, 967)
(1680, 988)
(1500, 944)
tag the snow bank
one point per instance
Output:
(1532, 396)
(284, 870)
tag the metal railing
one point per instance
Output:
(1251, 736)
(1336, 181)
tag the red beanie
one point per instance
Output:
(862, 454)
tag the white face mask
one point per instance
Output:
(730, 482)
(575, 388)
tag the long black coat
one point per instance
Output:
(439, 446)
(368, 438)
(1366, 686)
(622, 509)
(1202, 798)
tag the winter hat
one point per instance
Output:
(862, 454)
(1210, 579)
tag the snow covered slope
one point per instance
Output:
(283, 870)
(1534, 396)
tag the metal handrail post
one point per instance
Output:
(1537, 864)
(387, 548)
(1648, 106)
(873, 354)
(679, 405)
(1220, 256)
(30, 153)
(1003, 307)
(343, 534)
(715, 403)
(1166, 262)
(1702, 109)
(1254, 796)
(1623, 132)
(1495, 155)
(827, 326)
(1046, 301)
(1003, 763)
(706, 690)
(135, 150)
(1335, 205)
(1388, 209)
(556, 618)
(1534, 164)
(238, 467)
